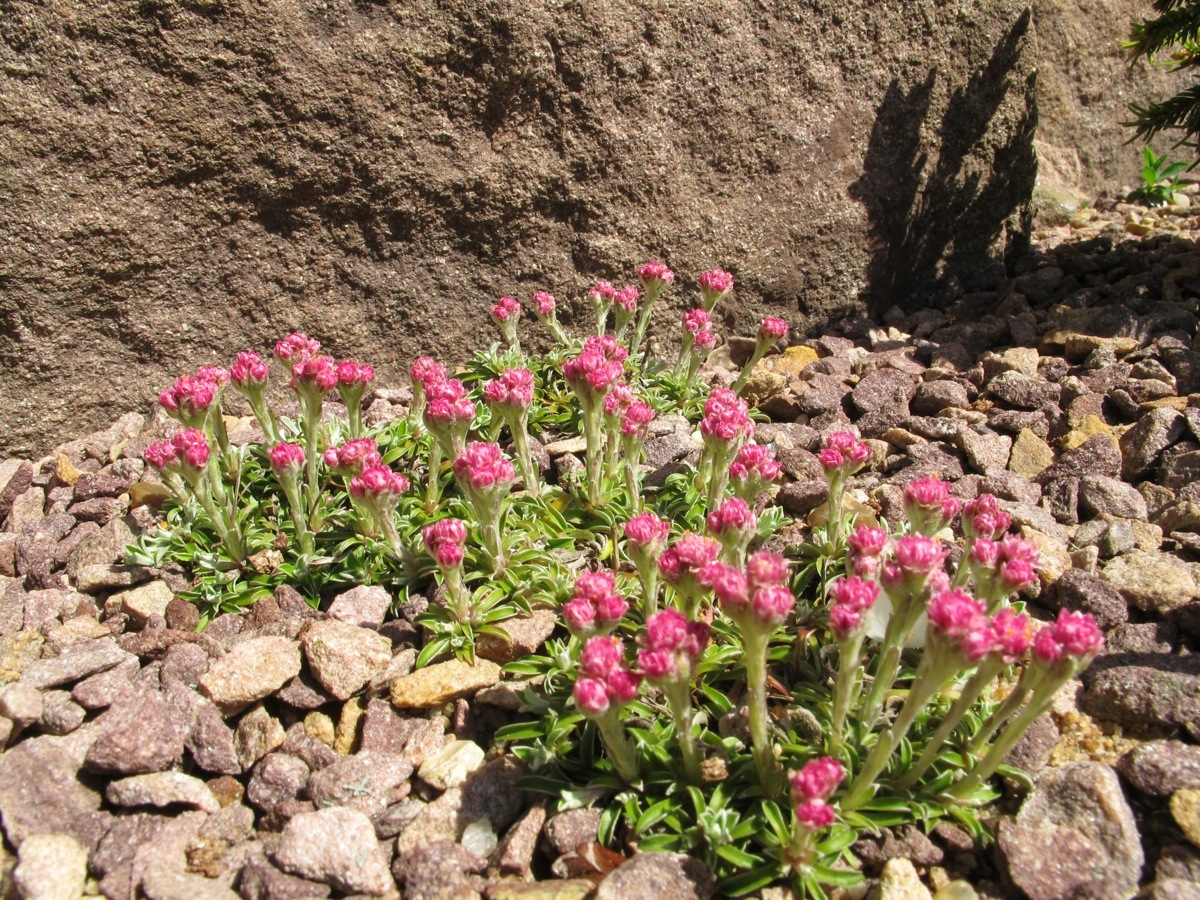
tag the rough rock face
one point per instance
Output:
(183, 179)
(1085, 87)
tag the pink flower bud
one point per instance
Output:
(449, 555)
(622, 685)
(353, 374)
(580, 616)
(618, 399)
(726, 417)
(189, 394)
(815, 814)
(771, 605)
(602, 293)
(693, 552)
(610, 610)
(817, 780)
(772, 329)
(1014, 634)
(734, 514)
(444, 540)
(191, 447)
(425, 369)
(715, 283)
(161, 455)
(755, 461)
(594, 585)
(657, 665)
(318, 372)
(249, 370)
(868, 541)
(353, 456)
(955, 614)
(591, 696)
(637, 419)
(918, 555)
(600, 656)
(484, 466)
(696, 320)
(844, 621)
(854, 593)
(287, 458)
(655, 272)
(627, 298)
(1078, 634)
(647, 532)
(513, 388)
(506, 308)
(544, 303)
(728, 584)
(296, 347)
(764, 569)
(378, 481)
(1047, 648)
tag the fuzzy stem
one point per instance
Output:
(966, 699)
(312, 425)
(679, 697)
(644, 319)
(754, 657)
(844, 690)
(529, 472)
(354, 413)
(901, 623)
(616, 742)
(291, 490)
(837, 492)
(594, 436)
(456, 591)
(647, 571)
(433, 487)
(760, 350)
(266, 421)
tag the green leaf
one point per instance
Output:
(521, 731)
(835, 877)
(739, 858)
(745, 882)
(653, 815)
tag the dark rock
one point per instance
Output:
(41, 793)
(104, 688)
(1061, 497)
(1049, 862)
(907, 842)
(1032, 750)
(101, 510)
(315, 754)
(181, 615)
(292, 603)
(276, 778)
(571, 829)
(44, 607)
(1178, 861)
(60, 714)
(365, 606)
(438, 870)
(658, 875)
(1141, 637)
(1160, 768)
(1144, 690)
(1023, 391)
(931, 397)
(515, 852)
(1083, 592)
(884, 389)
(365, 781)
(304, 692)
(1009, 486)
(1150, 435)
(184, 663)
(262, 614)
(823, 394)
(15, 477)
(1098, 455)
(140, 843)
(139, 733)
(1098, 494)
(1014, 421)
(801, 497)
(336, 846)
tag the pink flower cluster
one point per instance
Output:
(596, 607)
(812, 787)
(446, 403)
(319, 373)
(655, 274)
(959, 621)
(864, 555)
(917, 564)
(514, 388)
(647, 534)
(754, 469)
(671, 647)
(605, 683)
(772, 329)
(602, 294)
(484, 467)
(598, 367)
(378, 483)
(683, 562)
(928, 504)
(1013, 634)
(852, 597)
(1007, 565)
(426, 370)
(544, 303)
(1072, 636)
(188, 448)
(983, 518)
(726, 417)
(445, 541)
(756, 596)
(636, 421)
(297, 346)
(351, 374)
(249, 371)
(843, 454)
(287, 459)
(506, 308)
(626, 299)
(715, 283)
(189, 395)
(698, 324)
(734, 515)
(353, 456)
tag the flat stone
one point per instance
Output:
(452, 765)
(658, 875)
(364, 781)
(163, 883)
(1081, 591)
(526, 635)
(60, 714)
(82, 661)
(257, 734)
(95, 579)
(139, 734)
(1023, 391)
(986, 452)
(209, 740)
(27, 507)
(899, 881)
(336, 846)
(1149, 436)
(514, 855)
(261, 880)
(440, 683)
(103, 689)
(277, 778)
(22, 703)
(1185, 810)
(1160, 768)
(1145, 689)
(251, 671)
(47, 607)
(366, 606)
(143, 602)
(567, 831)
(1030, 454)
(40, 790)
(51, 867)
(1097, 455)
(1154, 582)
(162, 789)
(344, 657)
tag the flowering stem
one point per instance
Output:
(266, 421)
(433, 487)
(633, 458)
(966, 699)
(754, 657)
(929, 678)
(493, 545)
(693, 367)
(456, 592)
(616, 742)
(652, 292)
(648, 576)
(718, 478)
(679, 697)
(685, 351)
(845, 688)
(229, 535)
(837, 491)
(354, 414)
(902, 622)
(291, 490)
(311, 425)
(760, 350)
(594, 435)
(529, 472)
(800, 848)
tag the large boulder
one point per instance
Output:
(183, 179)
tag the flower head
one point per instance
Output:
(713, 286)
(647, 534)
(353, 456)
(729, 585)
(1013, 633)
(287, 459)
(506, 309)
(249, 371)
(484, 467)
(597, 368)
(514, 389)
(655, 275)
(843, 454)
(726, 418)
(544, 304)
(314, 373)
(297, 347)
(983, 518)
(672, 646)
(771, 605)
(605, 681)
(754, 468)
(851, 597)
(187, 451)
(734, 514)
(351, 374)
(425, 369)
(687, 556)
(626, 299)
(772, 329)
(378, 483)
(636, 421)
(928, 504)
(445, 541)
(190, 396)
(817, 780)
(596, 607)
(765, 568)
